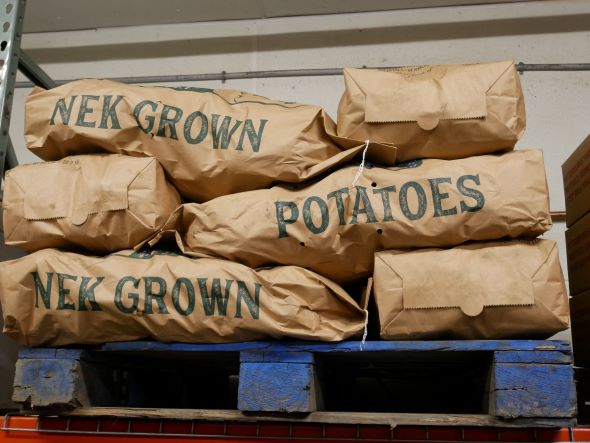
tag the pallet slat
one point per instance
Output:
(346, 418)
(533, 357)
(345, 346)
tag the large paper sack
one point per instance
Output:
(57, 298)
(494, 290)
(334, 228)
(445, 111)
(210, 142)
(102, 203)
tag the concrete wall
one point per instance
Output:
(558, 103)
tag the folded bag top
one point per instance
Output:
(43, 201)
(426, 96)
(473, 286)
(445, 111)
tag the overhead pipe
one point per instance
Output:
(223, 76)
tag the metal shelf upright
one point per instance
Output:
(13, 59)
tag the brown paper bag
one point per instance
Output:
(210, 142)
(102, 203)
(334, 228)
(55, 298)
(445, 111)
(493, 290)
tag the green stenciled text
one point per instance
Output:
(149, 295)
(161, 120)
(411, 200)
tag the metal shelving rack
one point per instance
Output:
(13, 59)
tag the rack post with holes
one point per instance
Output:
(12, 59)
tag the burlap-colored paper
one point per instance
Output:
(492, 290)
(444, 111)
(102, 203)
(210, 142)
(55, 298)
(334, 228)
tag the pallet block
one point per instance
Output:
(60, 377)
(525, 379)
(278, 382)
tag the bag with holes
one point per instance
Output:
(209, 142)
(492, 290)
(55, 298)
(101, 203)
(444, 111)
(334, 228)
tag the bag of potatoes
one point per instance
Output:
(55, 298)
(491, 290)
(210, 142)
(101, 203)
(335, 225)
(441, 111)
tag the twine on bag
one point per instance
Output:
(359, 171)
(366, 331)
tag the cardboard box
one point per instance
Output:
(576, 181)
(577, 241)
(580, 313)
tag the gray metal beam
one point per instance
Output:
(33, 71)
(11, 23)
(10, 161)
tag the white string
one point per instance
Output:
(366, 332)
(358, 174)
(359, 171)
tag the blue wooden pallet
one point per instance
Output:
(511, 379)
